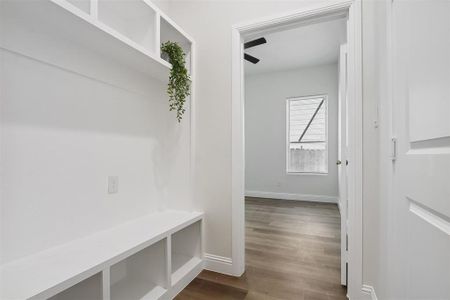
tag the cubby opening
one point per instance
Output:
(89, 289)
(142, 275)
(186, 250)
(84, 5)
(133, 19)
(170, 33)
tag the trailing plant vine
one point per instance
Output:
(179, 86)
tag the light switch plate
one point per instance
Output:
(113, 184)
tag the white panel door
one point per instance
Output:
(342, 158)
(421, 118)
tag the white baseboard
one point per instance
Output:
(289, 196)
(369, 291)
(218, 264)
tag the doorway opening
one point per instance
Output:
(289, 130)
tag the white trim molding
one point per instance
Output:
(369, 291)
(218, 264)
(291, 196)
(237, 154)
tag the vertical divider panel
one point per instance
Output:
(158, 34)
(202, 243)
(169, 261)
(94, 9)
(106, 282)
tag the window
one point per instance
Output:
(307, 142)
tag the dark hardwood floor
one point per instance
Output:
(292, 252)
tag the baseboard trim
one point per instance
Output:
(369, 291)
(290, 196)
(218, 264)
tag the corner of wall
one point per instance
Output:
(218, 264)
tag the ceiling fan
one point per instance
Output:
(250, 44)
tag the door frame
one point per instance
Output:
(342, 157)
(314, 13)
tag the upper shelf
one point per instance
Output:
(129, 32)
(171, 32)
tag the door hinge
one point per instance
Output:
(394, 148)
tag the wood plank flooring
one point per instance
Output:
(292, 252)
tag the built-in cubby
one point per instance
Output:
(186, 250)
(169, 32)
(133, 19)
(153, 256)
(89, 289)
(149, 258)
(142, 275)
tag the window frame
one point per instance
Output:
(287, 144)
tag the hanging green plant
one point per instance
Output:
(179, 86)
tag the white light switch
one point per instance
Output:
(113, 184)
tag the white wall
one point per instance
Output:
(213, 117)
(70, 118)
(210, 22)
(265, 133)
(214, 122)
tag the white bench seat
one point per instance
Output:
(49, 272)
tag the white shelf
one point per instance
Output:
(129, 32)
(60, 19)
(171, 32)
(73, 262)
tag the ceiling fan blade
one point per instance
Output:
(250, 58)
(254, 43)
